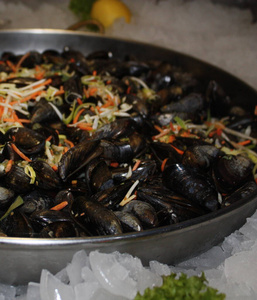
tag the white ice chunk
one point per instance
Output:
(2, 297)
(63, 276)
(79, 260)
(129, 262)
(86, 290)
(8, 291)
(159, 268)
(102, 294)
(148, 279)
(241, 268)
(112, 275)
(33, 292)
(52, 288)
(88, 275)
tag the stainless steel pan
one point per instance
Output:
(22, 259)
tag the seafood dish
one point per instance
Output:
(96, 145)
(115, 145)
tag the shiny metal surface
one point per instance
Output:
(23, 259)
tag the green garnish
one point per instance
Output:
(182, 288)
(180, 122)
(17, 202)
(81, 8)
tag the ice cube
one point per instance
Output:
(86, 290)
(79, 260)
(159, 268)
(52, 288)
(148, 279)
(8, 291)
(112, 275)
(242, 268)
(129, 262)
(33, 291)
(88, 275)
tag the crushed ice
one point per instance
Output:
(230, 267)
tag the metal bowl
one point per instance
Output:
(22, 259)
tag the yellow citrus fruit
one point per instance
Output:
(107, 11)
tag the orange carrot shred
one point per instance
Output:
(22, 155)
(172, 138)
(114, 164)
(94, 73)
(54, 167)
(49, 138)
(158, 128)
(243, 143)
(79, 101)
(76, 118)
(9, 165)
(163, 164)
(178, 150)
(136, 165)
(26, 55)
(69, 143)
(11, 65)
(60, 206)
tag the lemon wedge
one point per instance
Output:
(107, 11)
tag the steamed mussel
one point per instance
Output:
(96, 145)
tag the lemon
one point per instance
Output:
(107, 11)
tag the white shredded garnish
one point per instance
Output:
(31, 173)
(128, 196)
(141, 82)
(32, 85)
(129, 174)
(56, 110)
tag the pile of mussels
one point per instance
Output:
(95, 145)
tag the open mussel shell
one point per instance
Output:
(22, 259)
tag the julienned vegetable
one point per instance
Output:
(182, 288)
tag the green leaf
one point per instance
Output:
(180, 122)
(81, 8)
(17, 202)
(192, 288)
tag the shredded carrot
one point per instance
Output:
(54, 167)
(48, 81)
(107, 104)
(114, 164)
(9, 165)
(255, 180)
(32, 96)
(74, 182)
(219, 131)
(86, 93)
(94, 73)
(108, 81)
(69, 143)
(243, 143)
(79, 101)
(172, 138)
(76, 118)
(128, 89)
(72, 60)
(40, 75)
(136, 165)
(49, 138)
(158, 128)
(163, 164)
(178, 150)
(93, 91)
(172, 127)
(60, 206)
(22, 155)
(255, 110)
(11, 65)
(60, 92)
(83, 126)
(26, 55)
